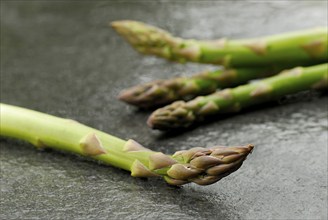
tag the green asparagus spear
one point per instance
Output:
(161, 92)
(182, 114)
(299, 48)
(199, 165)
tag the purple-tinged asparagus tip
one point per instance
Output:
(206, 166)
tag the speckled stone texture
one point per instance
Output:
(61, 57)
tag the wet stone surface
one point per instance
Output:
(62, 58)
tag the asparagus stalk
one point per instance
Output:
(199, 165)
(300, 47)
(161, 92)
(182, 114)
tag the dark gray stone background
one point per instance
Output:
(61, 57)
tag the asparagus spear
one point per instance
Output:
(199, 165)
(300, 47)
(183, 114)
(161, 92)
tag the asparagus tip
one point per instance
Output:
(118, 25)
(150, 123)
(114, 24)
(143, 37)
(124, 27)
(206, 166)
(124, 95)
(173, 116)
(152, 94)
(250, 148)
(140, 95)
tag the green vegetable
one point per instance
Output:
(182, 114)
(200, 165)
(297, 48)
(161, 92)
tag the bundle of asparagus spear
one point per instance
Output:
(242, 60)
(288, 63)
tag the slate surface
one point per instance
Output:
(61, 57)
